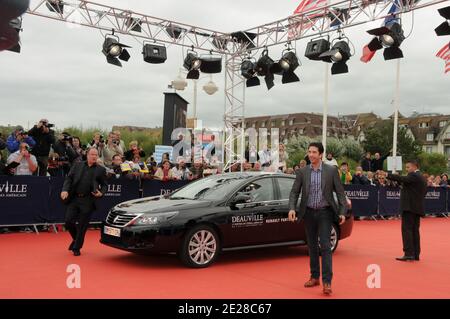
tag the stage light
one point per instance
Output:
(288, 64)
(175, 31)
(55, 6)
(444, 27)
(16, 24)
(248, 71)
(9, 25)
(339, 54)
(114, 50)
(390, 38)
(265, 67)
(210, 88)
(179, 83)
(211, 64)
(192, 63)
(154, 53)
(134, 24)
(315, 48)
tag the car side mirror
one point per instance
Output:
(240, 199)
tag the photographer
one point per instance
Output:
(45, 138)
(27, 162)
(111, 148)
(16, 138)
(63, 147)
(79, 149)
(98, 142)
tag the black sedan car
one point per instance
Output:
(222, 212)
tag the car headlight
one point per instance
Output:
(155, 219)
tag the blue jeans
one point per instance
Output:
(318, 224)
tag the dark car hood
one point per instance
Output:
(157, 204)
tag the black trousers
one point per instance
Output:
(42, 162)
(411, 234)
(78, 216)
(318, 223)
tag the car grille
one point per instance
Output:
(120, 219)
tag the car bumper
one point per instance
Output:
(142, 239)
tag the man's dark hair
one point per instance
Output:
(318, 145)
(344, 163)
(414, 162)
(115, 155)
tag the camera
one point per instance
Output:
(49, 125)
(67, 138)
(102, 140)
(116, 142)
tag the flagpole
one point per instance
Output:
(325, 110)
(396, 107)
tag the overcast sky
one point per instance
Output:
(62, 75)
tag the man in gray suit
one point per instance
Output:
(317, 182)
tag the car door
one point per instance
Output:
(249, 223)
(288, 231)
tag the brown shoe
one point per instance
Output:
(312, 282)
(327, 289)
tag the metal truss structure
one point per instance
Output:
(234, 46)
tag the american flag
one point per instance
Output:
(444, 54)
(307, 21)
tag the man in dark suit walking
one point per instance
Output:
(85, 183)
(317, 182)
(412, 197)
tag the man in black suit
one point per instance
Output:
(412, 197)
(317, 182)
(85, 183)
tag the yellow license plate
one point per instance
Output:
(112, 231)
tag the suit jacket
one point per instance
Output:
(330, 183)
(412, 195)
(74, 177)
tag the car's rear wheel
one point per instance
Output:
(200, 247)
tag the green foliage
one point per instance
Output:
(433, 163)
(147, 139)
(379, 139)
(344, 150)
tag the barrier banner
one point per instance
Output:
(24, 200)
(389, 201)
(119, 190)
(156, 187)
(435, 200)
(57, 208)
(448, 200)
(364, 199)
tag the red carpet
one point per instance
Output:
(34, 266)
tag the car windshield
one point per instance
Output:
(213, 188)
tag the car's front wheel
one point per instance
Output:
(200, 247)
(334, 237)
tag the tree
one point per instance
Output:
(352, 149)
(297, 148)
(334, 146)
(433, 163)
(379, 139)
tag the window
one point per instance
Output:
(285, 187)
(430, 137)
(273, 124)
(259, 190)
(291, 122)
(359, 128)
(429, 149)
(263, 124)
(254, 125)
(442, 123)
(447, 136)
(423, 125)
(283, 123)
(308, 120)
(333, 124)
(300, 130)
(283, 132)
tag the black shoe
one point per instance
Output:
(405, 258)
(71, 245)
(76, 252)
(417, 258)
